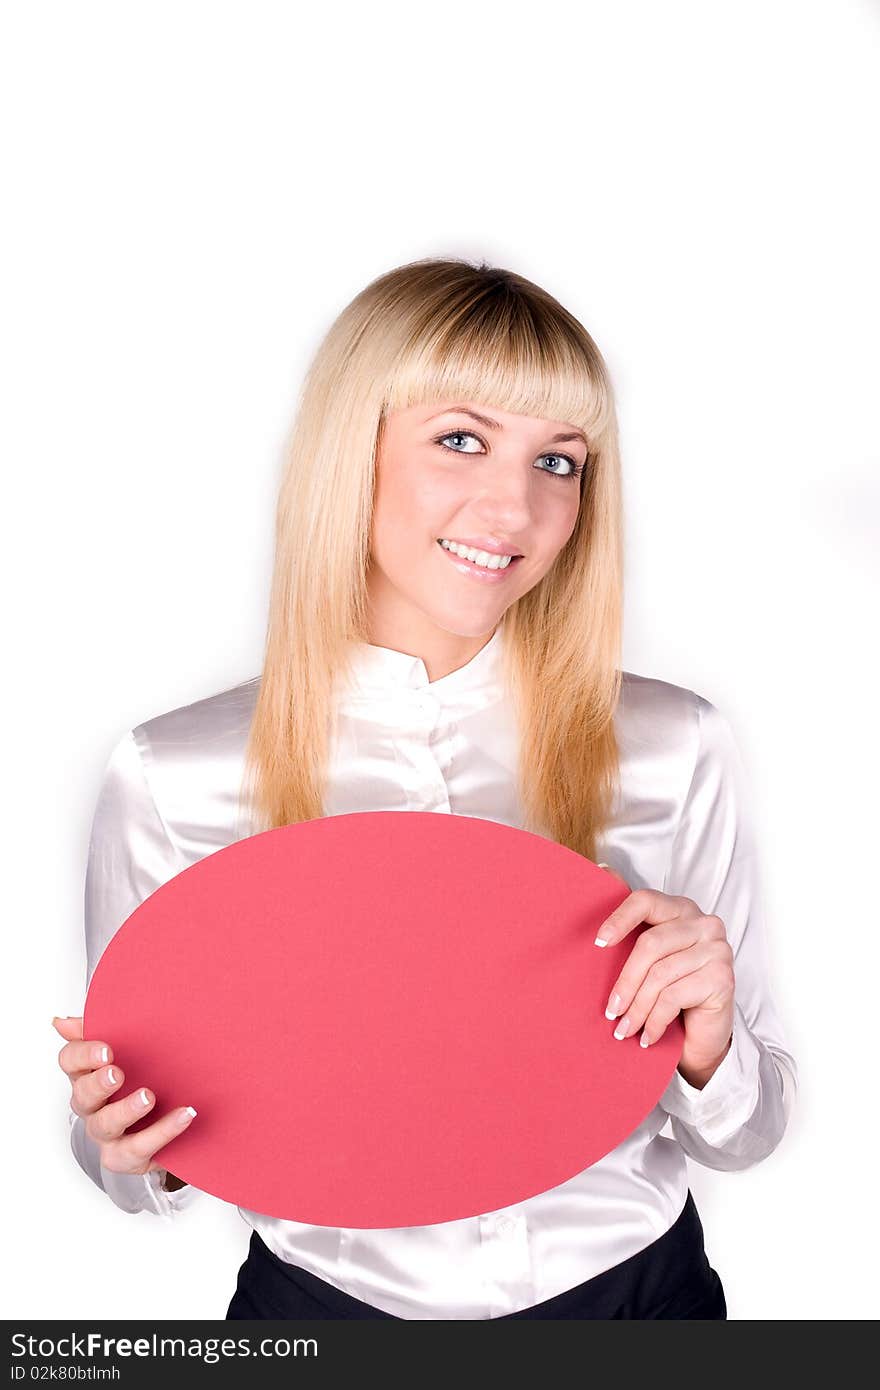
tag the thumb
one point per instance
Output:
(70, 1028)
(613, 873)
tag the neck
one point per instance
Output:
(442, 652)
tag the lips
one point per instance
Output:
(463, 559)
(480, 572)
(482, 543)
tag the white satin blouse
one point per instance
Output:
(404, 743)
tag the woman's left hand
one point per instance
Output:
(681, 963)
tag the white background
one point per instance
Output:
(193, 192)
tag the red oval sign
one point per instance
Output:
(383, 1019)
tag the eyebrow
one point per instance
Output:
(496, 424)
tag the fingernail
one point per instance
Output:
(643, 1041)
(143, 1097)
(600, 941)
(614, 1004)
(111, 1077)
(601, 866)
(186, 1115)
(105, 1054)
(620, 1030)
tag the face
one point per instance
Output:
(443, 474)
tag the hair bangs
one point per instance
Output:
(504, 351)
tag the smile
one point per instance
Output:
(491, 569)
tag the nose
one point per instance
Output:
(503, 504)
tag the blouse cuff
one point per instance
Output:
(131, 1192)
(135, 1192)
(729, 1097)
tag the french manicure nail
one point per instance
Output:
(111, 1076)
(600, 941)
(186, 1115)
(614, 1004)
(620, 1030)
(644, 1042)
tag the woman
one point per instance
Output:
(444, 635)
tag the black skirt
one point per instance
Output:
(670, 1278)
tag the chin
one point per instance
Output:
(466, 624)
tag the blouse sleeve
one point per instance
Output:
(740, 1115)
(130, 855)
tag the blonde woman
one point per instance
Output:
(444, 635)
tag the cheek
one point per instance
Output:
(411, 503)
(404, 511)
(571, 519)
(558, 523)
(391, 502)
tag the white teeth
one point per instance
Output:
(479, 557)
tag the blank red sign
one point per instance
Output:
(383, 1019)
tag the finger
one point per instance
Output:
(642, 905)
(68, 1027)
(92, 1089)
(687, 993)
(664, 940)
(135, 1152)
(663, 973)
(108, 1122)
(78, 1057)
(712, 986)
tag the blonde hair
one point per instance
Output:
(444, 329)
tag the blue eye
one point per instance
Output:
(575, 468)
(455, 434)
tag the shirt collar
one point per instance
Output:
(378, 671)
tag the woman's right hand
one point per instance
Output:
(93, 1084)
